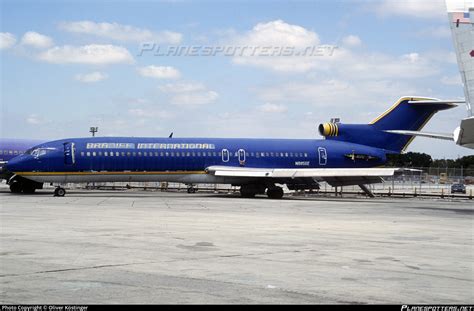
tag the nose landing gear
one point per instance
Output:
(59, 192)
(191, 189)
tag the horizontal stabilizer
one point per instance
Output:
(434, 102)
(423, 134)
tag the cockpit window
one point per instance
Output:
(37, 152)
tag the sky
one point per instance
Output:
(69, 65)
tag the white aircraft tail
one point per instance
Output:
(461, 20)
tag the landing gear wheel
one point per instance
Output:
(59, 192)
(191, 190)
(29, 189)
(275, 193)
(16, 187)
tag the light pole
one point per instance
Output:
(93, 130)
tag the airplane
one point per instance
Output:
(349, 154)
(12, 147)
(461, 21)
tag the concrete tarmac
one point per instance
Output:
(160, 247)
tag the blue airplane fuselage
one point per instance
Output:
(114, 154)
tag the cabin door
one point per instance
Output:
(69, 154)
(323, 156)
(225, 155)
(241, 154)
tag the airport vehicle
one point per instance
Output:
(350, 154)
(458, 188)
(461, 20)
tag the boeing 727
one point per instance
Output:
(350, 154)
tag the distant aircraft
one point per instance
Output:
(350, 154)
(461, 20)
(10, 148)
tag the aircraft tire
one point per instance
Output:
(275, 193)
(16, 187)
(28, 189)
(247, 191)
(59, 192)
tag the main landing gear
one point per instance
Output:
(22, 185)
(59, 192)
(250, 191)
(275, 193)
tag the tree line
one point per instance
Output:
(418, 159)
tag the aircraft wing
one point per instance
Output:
(333, 176)
(444, 136)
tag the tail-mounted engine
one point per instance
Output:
(328, 129)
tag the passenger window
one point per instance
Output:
(272, 154)
(100, 153)
(88, 154)
(262, 154)
(129, 154)
(286, 154)
(305, 155)
(134, 154)
(214, 154)
(139, 154)
(82, 153)
(172, 154)
(94, 154)
(106, 153)
(266, 154)
(161, 154)
(15, 152)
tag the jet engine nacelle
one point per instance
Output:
(328, 129)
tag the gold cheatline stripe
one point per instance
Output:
(109, 173)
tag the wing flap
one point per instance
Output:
(300, 172)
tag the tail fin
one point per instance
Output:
(461, 20)
(408, 113)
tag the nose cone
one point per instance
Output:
(17, 164)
